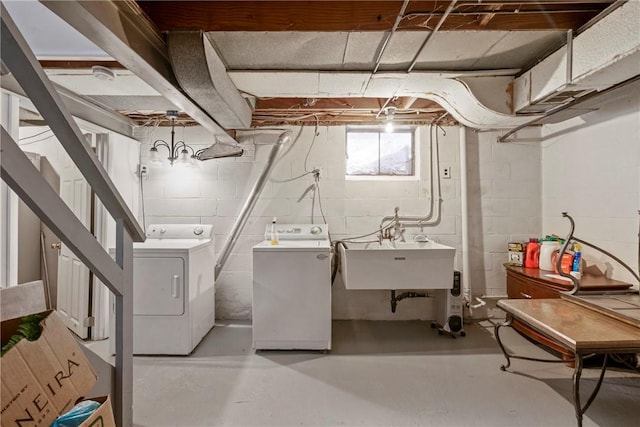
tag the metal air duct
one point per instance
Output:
(252, 198)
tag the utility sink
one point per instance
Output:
(398, 265)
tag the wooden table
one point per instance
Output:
(532, 283)
(581, 330)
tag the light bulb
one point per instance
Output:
(389, 127)
(154, 157)
(183, 160)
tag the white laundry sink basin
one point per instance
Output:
(398, 265)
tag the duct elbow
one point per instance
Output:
(284, 138)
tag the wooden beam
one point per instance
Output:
(119, 28)
(365, 15)
(488, 17)
(123, 399)
(307, 105)
(78, 65)
(18, 57)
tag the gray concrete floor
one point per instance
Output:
(378, 374)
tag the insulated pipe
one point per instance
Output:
(466, 268)
(252, 198)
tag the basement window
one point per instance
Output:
(373, 153)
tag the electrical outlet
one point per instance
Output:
(320, 171)
(143, 170)
(446, 172)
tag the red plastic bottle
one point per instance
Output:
(532, 259)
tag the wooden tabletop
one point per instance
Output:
(623, 307)
(580, 329)
(588, 282)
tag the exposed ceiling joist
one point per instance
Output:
(335, 111)
(117, 29)
(366, 15)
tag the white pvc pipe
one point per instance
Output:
(466, 269)
(426, 220)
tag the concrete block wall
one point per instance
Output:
(215, 192)
(591, 169)
(504, 203)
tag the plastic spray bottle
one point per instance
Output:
(275, 239)
(577, 257)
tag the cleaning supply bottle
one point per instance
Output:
(577, 257)
(532, 258)
(546, 252)
(275, 239)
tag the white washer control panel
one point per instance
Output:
(299, 231)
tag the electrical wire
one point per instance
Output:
(317, 178)
(37, 134)
(37, 140)
(291, 179)
(315, 134)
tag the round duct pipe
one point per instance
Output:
(249, 204)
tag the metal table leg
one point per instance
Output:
(512, 356)
(577, 373)
(504, 351)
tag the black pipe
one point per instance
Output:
(395, 299)
(335, 262)
(567, 242)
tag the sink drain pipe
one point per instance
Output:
(395, 299)
(252, 198)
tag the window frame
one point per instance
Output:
(415, 154)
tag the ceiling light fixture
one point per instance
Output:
(389, 112)
(179, 154)
(102, 73)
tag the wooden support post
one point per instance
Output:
(123, 399)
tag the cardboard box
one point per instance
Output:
(516, 253)
(103, 416)
(44, 378)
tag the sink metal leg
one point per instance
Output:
(577, 373)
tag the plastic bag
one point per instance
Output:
(77, 415)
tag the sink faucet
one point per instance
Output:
(398, 231)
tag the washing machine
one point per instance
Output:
(292, 289)
(173, 289)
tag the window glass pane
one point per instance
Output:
(396, 156)
(362, 153)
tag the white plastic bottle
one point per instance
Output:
(546, 253)
(275, 239)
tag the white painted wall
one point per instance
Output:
(123, 158)
(505, 205)
(591, 168)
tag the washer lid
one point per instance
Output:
(171, 244)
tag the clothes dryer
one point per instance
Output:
(173, 288)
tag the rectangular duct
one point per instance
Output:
(604, 55)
